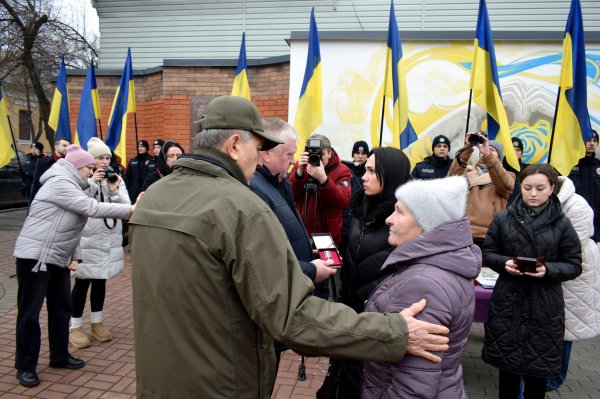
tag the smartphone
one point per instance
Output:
(526, 264)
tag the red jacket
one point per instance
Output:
(333, 197)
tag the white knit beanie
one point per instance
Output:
(97, 148)
(435, 201)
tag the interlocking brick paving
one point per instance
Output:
(110, 366)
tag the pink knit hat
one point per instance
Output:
(79, 157)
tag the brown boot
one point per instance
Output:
(100, 332)
(78, 338)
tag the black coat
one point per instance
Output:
(367, 250)
(517, 190)
(135, 175)
(358, 172)
(279, 197)
(35, 167)
(586, 177)
(526, 321)
(432, 167)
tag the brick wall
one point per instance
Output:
(164, 98)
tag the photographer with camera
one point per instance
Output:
(101, 249)
(490, 184)
(321, 187)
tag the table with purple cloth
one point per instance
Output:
(482, 302)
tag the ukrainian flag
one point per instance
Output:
(123, 104)
(89, 110)
(59, 119)
(6, 149)
(241, 87)
(395, 87)
(309, 112)
(486, 86)
(572, 126)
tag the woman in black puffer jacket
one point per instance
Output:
(526, 323)
(368, 248)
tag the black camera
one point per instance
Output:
(314, 149)
(110, 174)
(477, 138)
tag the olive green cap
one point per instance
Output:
(233, 112)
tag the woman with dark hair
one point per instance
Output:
(169, 152)
(368, 248)
(526, 322)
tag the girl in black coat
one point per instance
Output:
(368, 248)
(526, 322)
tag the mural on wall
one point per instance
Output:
(437, 76)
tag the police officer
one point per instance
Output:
(586, 177)
(519, 147)
(437, 165)
(360, 153)
(137, 170)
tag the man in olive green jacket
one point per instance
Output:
(215, 279)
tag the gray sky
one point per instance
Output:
(77, 9)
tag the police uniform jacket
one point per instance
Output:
(586, 177)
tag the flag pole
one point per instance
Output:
(469, 111)
(382, 119)
(12, 136)
(553, 125)
(100, 129)
(137, 149)
(383, 104)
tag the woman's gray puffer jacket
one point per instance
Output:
(57, 215)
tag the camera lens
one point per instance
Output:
(476, 139)
(314, 159)
(110, 174)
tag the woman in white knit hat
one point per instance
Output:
(46, 249)
(101, 249)
(435, 259)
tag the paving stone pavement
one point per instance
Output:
(110, 368)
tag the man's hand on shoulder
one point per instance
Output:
(423, 337)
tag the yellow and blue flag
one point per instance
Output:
(486, 86)
(241, 87)
(89, 110)
(123, 104)
(309, 112)
(395, 87)
(6, 149)
(572, 126)
(59, 119)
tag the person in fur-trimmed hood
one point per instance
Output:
(490, 184)
(434, 258)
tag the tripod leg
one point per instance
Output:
(302, 370)
(334, 294)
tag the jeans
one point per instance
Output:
(556, 382)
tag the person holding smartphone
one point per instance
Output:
(490, 184)
(525, 328)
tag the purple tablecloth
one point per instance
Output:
(482, 302)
